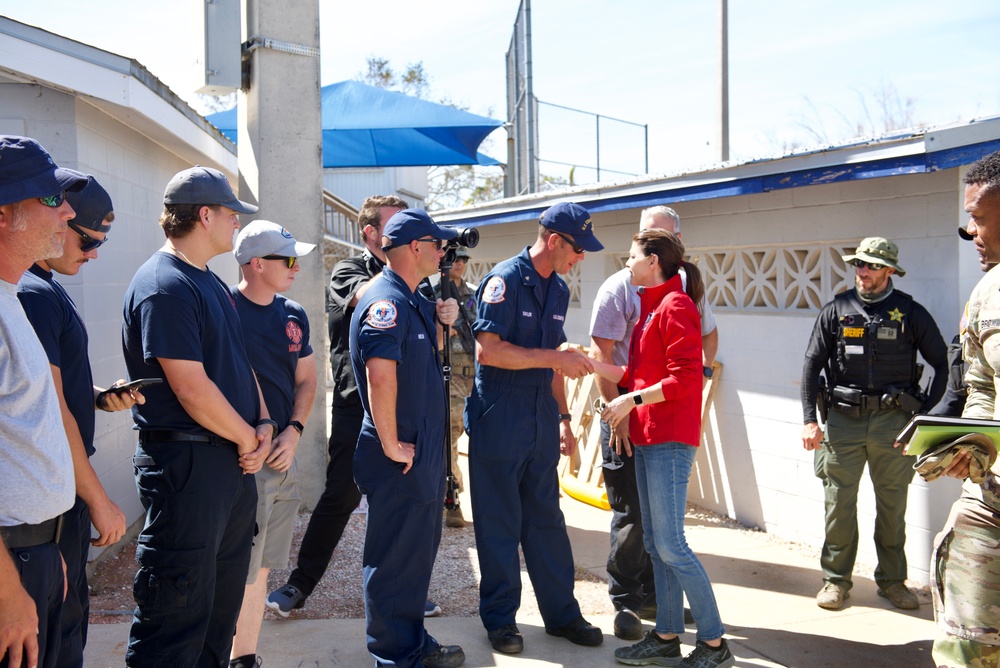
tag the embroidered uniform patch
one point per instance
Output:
(494, 291)
(382, 315)
(295, 336)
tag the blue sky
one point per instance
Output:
(792, 63)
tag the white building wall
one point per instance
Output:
(354, 185)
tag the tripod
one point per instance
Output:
(451, 501)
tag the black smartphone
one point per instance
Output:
(133, 385)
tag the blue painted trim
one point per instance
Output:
(932, 161)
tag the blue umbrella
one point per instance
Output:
(365, 126)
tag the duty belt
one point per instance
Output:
(29, 535)
(169, 436)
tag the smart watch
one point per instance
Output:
(637, 399)
(565, 416)
(706, 371)
(298, 426)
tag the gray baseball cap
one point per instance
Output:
(262, 237)
(205, 186)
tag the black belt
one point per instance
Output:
(29, 535)
(168, 436)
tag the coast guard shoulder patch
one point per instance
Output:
(494, 291)
(382, 314)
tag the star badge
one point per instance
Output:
(896, 314)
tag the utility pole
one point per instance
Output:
(723, 81)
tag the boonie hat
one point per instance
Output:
(410, 224)
(262, 237)
(877, 250)
(92, 205)
(204, 185)
(572, 219)
(27, 171)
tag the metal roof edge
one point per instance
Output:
(903, 153)
(113, 89)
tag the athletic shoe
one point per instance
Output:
(432, 609)
(899, 596)
(832, 596)
(705, 656)
(285, 599)
(652, 650)
(246, 661)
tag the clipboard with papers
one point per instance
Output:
(925, 432)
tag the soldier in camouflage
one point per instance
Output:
(965, 572)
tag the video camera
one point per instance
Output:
(468, 237)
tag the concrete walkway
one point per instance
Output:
(765, 590)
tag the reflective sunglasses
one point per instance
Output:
(289, 261)
(52, 201)
(577, 248)
(438, 243)
(861, 264)
(89, 242)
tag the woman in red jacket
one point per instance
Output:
(663, 407)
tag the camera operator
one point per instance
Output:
(462, 347)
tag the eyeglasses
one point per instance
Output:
(52, 201)
(577, 248)
(89, 242)
(438, 243)
(861, 264)
(289, 261)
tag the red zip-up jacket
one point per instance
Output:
(666, 350)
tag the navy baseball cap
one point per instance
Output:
(92, 205)
(205, 186)
(574, 220)
(262, 237)
(411, 224)
(27, 171)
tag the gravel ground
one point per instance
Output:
(454, 584)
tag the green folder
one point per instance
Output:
(925, 432)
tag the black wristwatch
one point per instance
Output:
(637, 399)
(274, 425)
(706, 371)
(565, 416)
(298, 426)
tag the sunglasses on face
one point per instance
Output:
(52, 201)
(577, 248)
(861, 264)
(289, 261)
(89, 242)
(438, 243)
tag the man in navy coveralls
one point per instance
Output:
(518, 423)
(399, 461)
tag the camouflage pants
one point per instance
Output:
(965, 574)
(461, 387)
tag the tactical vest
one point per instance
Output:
(874, 350)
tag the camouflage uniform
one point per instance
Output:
(463, 367)
(965, 572)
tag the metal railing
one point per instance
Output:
(341, 236)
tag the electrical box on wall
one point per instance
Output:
(218, 45)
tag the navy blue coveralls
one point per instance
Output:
(513, 425)
(404, 511)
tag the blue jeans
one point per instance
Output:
(662, 473)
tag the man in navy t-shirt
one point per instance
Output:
(199, 432)
(63, 335)
(276, 332)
